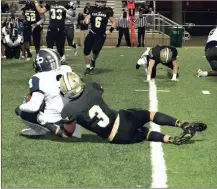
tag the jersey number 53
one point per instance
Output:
(96, 111)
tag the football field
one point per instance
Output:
(91, 162)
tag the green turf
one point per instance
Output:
(91, 162)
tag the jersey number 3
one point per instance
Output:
(56, 14)
(96, 111)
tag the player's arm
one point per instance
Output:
(150, 67)
(41, 10)
(175, 63)
(87, 19)
(112, 20)
(34, 104)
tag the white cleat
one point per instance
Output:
(201, 73)
(76, 51)
(3, 57)
(31, 132)
(22, 57)
(63, 59)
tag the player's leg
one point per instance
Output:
(88, 45)
(3, 50)
(36, 35)
(27, 40)
(17, 52)
(211, 56)
(120, 35)
(50, 38)
(60, 43)
(70, 38)
(97, 47)
(170, 69)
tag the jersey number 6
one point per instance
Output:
(98, 21)
(96, 111)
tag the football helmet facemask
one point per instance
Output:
(46, 60)
(71, 84)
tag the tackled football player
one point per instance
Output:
(41, 112)
(94, 41)
(166, 55)
(88, 108)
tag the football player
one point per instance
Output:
(166, 55)
(211, 54)
(56, 27)
(69, 25)
(12, 44)
(94, 41)
(42, 113)
(33, 27)
(88, 108)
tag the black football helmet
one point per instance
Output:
(46, 60)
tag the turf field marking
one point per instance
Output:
(159, 176)
(160, 90)
(205, 92)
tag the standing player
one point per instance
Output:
(94, 41)
(165, 55)
(33, 27)
(87, 108)
(69, 25)
(56, 27)
(211, 54)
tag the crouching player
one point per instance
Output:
(42, 113)
(12, 43)
(160, 54)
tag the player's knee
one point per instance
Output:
(86, 52)
(152, 114)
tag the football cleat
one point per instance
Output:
(93, 64)
(201, 73)
(32, 132)
(137, 66)
(199, 127)
(63, 59)
(87, 72)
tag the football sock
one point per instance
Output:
(156, 136)
(163, 119)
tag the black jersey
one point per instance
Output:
(99, 18)
(91, 111)
(57, 15)
(155, 52)
(31, 14)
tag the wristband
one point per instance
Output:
(111, 29)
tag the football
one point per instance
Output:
(28, 97)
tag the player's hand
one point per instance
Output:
(34, 26)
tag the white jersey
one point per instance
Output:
(212, 39)
(48, 84)
(212, 35)
(4, 32)
(9, 42)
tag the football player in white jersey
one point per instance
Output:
(211, 54)
(12, 44)
(42, 113)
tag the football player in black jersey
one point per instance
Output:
(87, 108)
(56, 28)
(94, 41)
(165, 55)
(33, 26)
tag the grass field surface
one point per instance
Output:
(94, 163)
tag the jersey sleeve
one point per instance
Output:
(97, 86)
(68, 115)
(47, 7)
(34, 85)
(110, 12)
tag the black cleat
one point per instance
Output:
(199, 127)
(87, 72)
(93, 64)
(137, 66)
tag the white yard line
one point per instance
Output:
(160, 90)
(159, 175)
